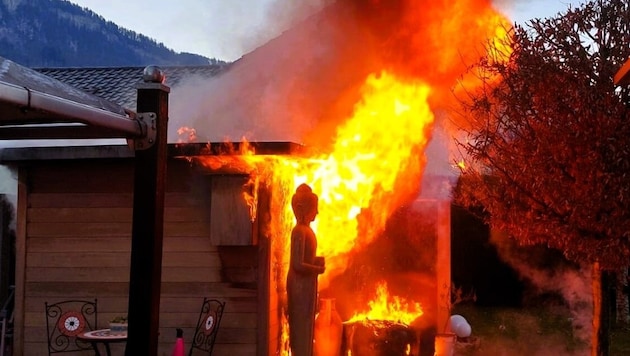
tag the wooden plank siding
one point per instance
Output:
(77, 245)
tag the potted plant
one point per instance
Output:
(118, 324)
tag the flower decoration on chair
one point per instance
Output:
(211, 317)
(71, 323)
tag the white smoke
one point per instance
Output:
(572, 283)
(279, 91)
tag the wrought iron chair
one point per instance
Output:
(67, 319)
(207, 326)
(6, 322)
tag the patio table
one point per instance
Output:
(103, 336)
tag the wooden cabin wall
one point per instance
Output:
(77, 245)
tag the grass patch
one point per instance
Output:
(533, 331)
(527, 332)
(620, 341)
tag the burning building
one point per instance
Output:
(347, 101)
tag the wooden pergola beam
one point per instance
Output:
(147, 230)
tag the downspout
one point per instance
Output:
(64, 110)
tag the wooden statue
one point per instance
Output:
(304, 268)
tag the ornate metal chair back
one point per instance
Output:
(207, 326)
(67, 319)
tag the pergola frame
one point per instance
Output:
(35, 106)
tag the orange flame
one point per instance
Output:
(385, 138)
(392, 308)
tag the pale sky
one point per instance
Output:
(228, 29)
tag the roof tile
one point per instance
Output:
(118, 84)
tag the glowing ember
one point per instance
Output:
(386, 307)
(186, 134)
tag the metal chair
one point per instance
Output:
(6, 322)
(207, 326)
(67, 319)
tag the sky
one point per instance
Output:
(228, 29)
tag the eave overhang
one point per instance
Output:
(187, 150)
(35, 106)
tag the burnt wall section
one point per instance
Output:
(228, 206)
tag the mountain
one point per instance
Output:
(57, 33)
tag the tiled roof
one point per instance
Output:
(118, 84)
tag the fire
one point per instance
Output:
(363, 176)
(377, 158)
(375, 166)
(392, 308)
(186, 134)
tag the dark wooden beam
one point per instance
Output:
(148, 221)
(235, 148)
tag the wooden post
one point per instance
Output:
(20, 261)
(148, 219)
(443, 267)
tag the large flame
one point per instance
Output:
(377, 159)
(375, 166)
(374, 149)
(387, 307)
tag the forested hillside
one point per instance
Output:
(57, 33)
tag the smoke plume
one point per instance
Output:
(298, 86)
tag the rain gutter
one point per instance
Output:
(29, 103)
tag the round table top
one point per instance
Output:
(104, 334)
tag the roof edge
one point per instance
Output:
(24, 154)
